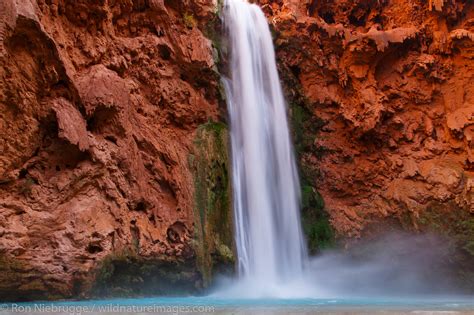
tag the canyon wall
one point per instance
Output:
(100, 103)
(382, 98)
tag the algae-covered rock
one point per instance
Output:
(305, 128)
(125, 274)
(316, 226)
(457, 225)
(213, 224)
(315, 220)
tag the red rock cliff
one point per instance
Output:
(391, 84)
(381, 95)
(100, 101)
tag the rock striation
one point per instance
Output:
(100, 103)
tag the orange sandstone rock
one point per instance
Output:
(392, 82)
(99, 106)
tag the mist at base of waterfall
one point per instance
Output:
(394, 265)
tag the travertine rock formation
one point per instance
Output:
(100, 102)
(392, 85)
(381, 95)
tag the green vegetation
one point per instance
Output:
(450, 220)
(219, 7)
(457, 224)
(125, 273)
(305, 127)
(315, 220)
(213, 31)
(189, 20)
(212, 191)
(213, 221)
(105, 272)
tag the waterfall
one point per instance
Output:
(269, 241)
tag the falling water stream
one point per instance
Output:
(268, 234)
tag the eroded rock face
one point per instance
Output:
(388, 87)
(100, 101)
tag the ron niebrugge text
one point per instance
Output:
(105, 308)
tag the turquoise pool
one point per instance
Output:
(217, 305)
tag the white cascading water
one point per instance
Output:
(270, 246)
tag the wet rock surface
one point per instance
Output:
(100, 102)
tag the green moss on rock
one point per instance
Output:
(125, 274)
(213, 222)
(305, 126)
(316, 226)
(189, 20)
(458, 225)
(451, 220)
